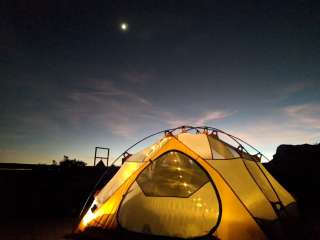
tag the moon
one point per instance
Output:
(124, 26)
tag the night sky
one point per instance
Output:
(72, 79)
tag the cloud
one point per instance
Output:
(284, 92)
(123, 112)
(5, 151)
(91, 105)
(6, 154)
(90, 109)
(267, 135)
(295, 124)
(307, 115)
(202, 119)
(211, 116)
(100, 89)
(294, 87)
(105, 105)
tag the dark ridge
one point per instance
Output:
(47, 190)
(296, 167)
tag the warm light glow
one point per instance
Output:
(199, 205)
(129, 170)
(155, 147)
(178, 168)
(88, 217)
(108, 208)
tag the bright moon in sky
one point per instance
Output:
(124, 26)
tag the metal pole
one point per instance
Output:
(95, 156)
(108, 158)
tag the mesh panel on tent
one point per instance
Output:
(236, 174)
(197, 143)
(172, 174)
(283, 194)
(261, 180)
(221, 150)
(118, 179)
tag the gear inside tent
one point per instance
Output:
(193, 182)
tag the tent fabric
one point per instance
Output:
(208, 146)
(197, 143)
(131, 165)
(180, 189)
(261, 180)
(285, 197)
(248, 191)
(121, 176)
(161, 215)
(143, 154)
(221, 150)
(105, 216)
(139, 156)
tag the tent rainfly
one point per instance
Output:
(194, 182)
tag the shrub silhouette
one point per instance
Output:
(68, 163)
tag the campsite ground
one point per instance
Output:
(57, 228)
(36, 228)
(43, 201)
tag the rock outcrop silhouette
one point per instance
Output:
(297, 167)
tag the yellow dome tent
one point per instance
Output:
(193, 182)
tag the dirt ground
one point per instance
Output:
(36, 229)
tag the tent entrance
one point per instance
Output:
(173, 196)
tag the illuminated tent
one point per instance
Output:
(193, 182)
